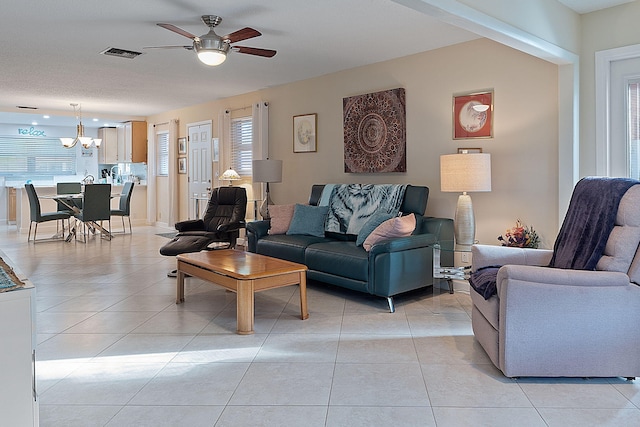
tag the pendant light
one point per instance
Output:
(86, 141)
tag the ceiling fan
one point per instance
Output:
(211, 48)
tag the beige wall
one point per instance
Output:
(605, 29)
(524, 148)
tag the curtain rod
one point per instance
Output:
(246, 107)
(238, 109)
(160, 124)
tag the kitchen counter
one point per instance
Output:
(138, 205)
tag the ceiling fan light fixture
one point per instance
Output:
(211, 57)
(211, 49)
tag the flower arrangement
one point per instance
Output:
(520, 236)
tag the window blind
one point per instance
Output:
(23, 158)
(162, 154)
(241, 141)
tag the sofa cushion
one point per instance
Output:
(401, 226)
(372, 223)
(290, 248)
(622, 243)
(281, 216)
(338, 258)
(308, 220)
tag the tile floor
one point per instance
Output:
(115, 350)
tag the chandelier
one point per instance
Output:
(86, 141)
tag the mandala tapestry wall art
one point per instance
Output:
(375, 132)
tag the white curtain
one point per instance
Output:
(151, 174)
(173, 172)
(260, 144)
(225, 141)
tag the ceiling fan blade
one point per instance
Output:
(267, 53)
(175, 29)
(243, 34)
(169, 47)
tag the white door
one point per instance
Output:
(200, 168)
(625, 75)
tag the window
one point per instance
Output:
(241, 145)
(23, 158)
(162, 154)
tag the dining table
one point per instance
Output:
(68, 200)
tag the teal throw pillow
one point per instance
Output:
(308, 220)
(372, 223)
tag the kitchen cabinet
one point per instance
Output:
(18, 404)
(108, 151)
(132, 142)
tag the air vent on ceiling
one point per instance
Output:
(121, 53)
(24, 107)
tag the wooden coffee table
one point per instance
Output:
(243, 273)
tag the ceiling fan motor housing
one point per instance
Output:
(211, 42)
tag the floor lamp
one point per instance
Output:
(465, 173)
(267, 171)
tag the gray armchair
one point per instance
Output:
(554, 322)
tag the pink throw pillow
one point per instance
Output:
(280, 218)
(401, 226)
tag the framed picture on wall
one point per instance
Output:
(182, 145)
(216, 149)
(182, 165)
(473, 115)
(304, 133)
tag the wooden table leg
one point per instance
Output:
(304, 314)
(245, 306)
(180, 287)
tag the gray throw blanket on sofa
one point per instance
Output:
(584, 233)
(351, 205)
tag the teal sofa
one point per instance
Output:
(390, 268)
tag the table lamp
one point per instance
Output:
(267, 171)
(230, 175)
(465, 173)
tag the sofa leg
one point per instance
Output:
(631, 378)
(392, 308)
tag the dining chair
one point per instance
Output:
(96, 207)
(69, 188)
(37, 216)
(124, 207)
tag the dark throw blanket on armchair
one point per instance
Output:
(584, 233)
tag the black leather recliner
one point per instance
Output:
(222, 222)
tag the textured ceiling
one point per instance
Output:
(50, 50)
(54, 49)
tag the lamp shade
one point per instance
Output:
(230, 175)
(267, 170)
(465, 172)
